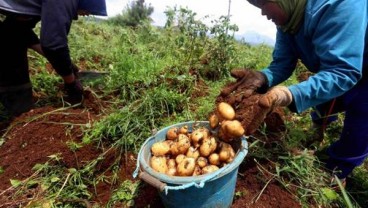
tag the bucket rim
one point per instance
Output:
(178, 180)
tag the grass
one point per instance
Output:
(154, 78)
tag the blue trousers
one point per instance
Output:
(351, 149)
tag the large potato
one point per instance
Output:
(183, 143)
(226, 111)
(186, 167)
(160, 148)
(234, 128)
(158, 163)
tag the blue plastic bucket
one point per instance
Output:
(215, 189)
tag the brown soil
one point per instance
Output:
(47, 131)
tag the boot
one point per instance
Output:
(74, 92)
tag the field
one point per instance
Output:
(59, 155)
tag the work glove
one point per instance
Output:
(279, 96)
(74, 92)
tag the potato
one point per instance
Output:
(226, 111)
(171, 163)
(174, 149)
(214, 121)
(214, 159)
(224, 155)
(196, 137)
(172, 133)
(171, 171)
(209, 169)
(193, 153)
(186, 167)
(197, 171)
(205, 149)
(213, 145)
(160, 148)
(234, 128)
(183, 129)
(179, 158)
(202, 162)
(183, 143)
(158, 163)
(227, 153)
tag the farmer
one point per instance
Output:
(331, 41)
(16, 35)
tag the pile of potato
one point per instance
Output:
(185, 153)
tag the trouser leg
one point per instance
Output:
(17, 102)
(352, 147)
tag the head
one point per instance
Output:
(273, 10)
(94, 7)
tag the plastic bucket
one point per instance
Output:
(215, 189)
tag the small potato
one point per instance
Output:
(226, 111)
(171, 171)
(197, 137)
(172, 133)
(186, 167)
(179, 158)
(209, 169)
(171, 163)
(160, 148)
(214, 121)
(228, 150)
(174, 149)
(158, 163)
(183, 129)
(202, 162)
(197, 171)
(214, 159)
(193, 153)
(224, 155)
(183, 143)
(205, 149)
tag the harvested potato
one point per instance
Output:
(214, 121)
(234, 128)
(171, 163)
(184, 129)
(224, 155)
(172, 133)
(171, 171)
(174, 149)
(179, 158)
(183, 144)
(186, 167)
(205, 149)
(193, 153)
(226, 111)
(202, 162)
(228, 150)
(158, 163)
(197, 171)
(214, 159)
(209, 169)
(160, 148)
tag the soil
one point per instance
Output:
(45, 131)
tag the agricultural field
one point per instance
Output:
(59, 155)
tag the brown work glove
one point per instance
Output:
(279, 96)
(248, 82)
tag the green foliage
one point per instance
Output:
(134, 14)
(124, 195)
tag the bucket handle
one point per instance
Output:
(152, 181)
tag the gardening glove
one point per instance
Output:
(279, 96)
(74, 92)
(248, 81)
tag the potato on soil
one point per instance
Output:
(158, 163)
(186, 167)
(160, 148)
(226, 111)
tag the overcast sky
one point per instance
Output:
(247, 17)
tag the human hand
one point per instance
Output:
(248, 82)
(279, 96)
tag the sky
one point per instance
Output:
(252, 25)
